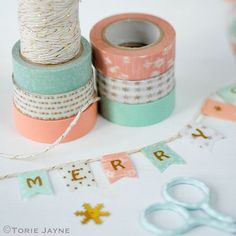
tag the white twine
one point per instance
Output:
(49, 29)
(53, 107)
(96, 159)
(196, 118)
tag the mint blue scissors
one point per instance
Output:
(213, 218)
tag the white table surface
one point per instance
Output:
(204, 64)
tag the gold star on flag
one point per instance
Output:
(218, 108)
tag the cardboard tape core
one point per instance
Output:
(132, 34)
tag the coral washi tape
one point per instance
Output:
(219, 110)
(136, 92)
(47, 131)
(133, 46)
(53, 107)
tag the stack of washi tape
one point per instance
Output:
(134, 58)
(52, 79)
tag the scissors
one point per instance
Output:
(213, 218)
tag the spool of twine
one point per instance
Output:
(49, 30)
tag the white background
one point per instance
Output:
(204, 64)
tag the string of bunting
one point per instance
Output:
(119, 165)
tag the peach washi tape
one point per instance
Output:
(47, 131)
(133, 46)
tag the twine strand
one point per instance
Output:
(196, 118)
(57, 142)
(50, 30)
(89, 161)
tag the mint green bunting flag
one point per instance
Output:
(162, 156)
(33, 183)
(228, 94)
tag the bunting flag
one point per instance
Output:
(219, 110)
(201, 135)
(33, 183)
(78, 174)
(228, 94)
(162, 156)
(117, 166)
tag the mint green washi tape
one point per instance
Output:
(53, 79)
(137, 115)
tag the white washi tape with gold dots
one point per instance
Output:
(53, 107)
(136, 92)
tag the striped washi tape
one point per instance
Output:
(136, 92)
(53, 107)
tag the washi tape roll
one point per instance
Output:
(136, 92)
(138, 114)
(53, 107)
(47, 131)
(52, 79)
(133, 46)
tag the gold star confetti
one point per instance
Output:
(92, 213)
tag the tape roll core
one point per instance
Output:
(132, 34)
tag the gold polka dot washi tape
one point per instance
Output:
(53, 107)
(136, 92)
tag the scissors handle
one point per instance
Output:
(218, 215)
(187, 181)
(190, 224)
(204, 204)
(150, 226)
(213, 223)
